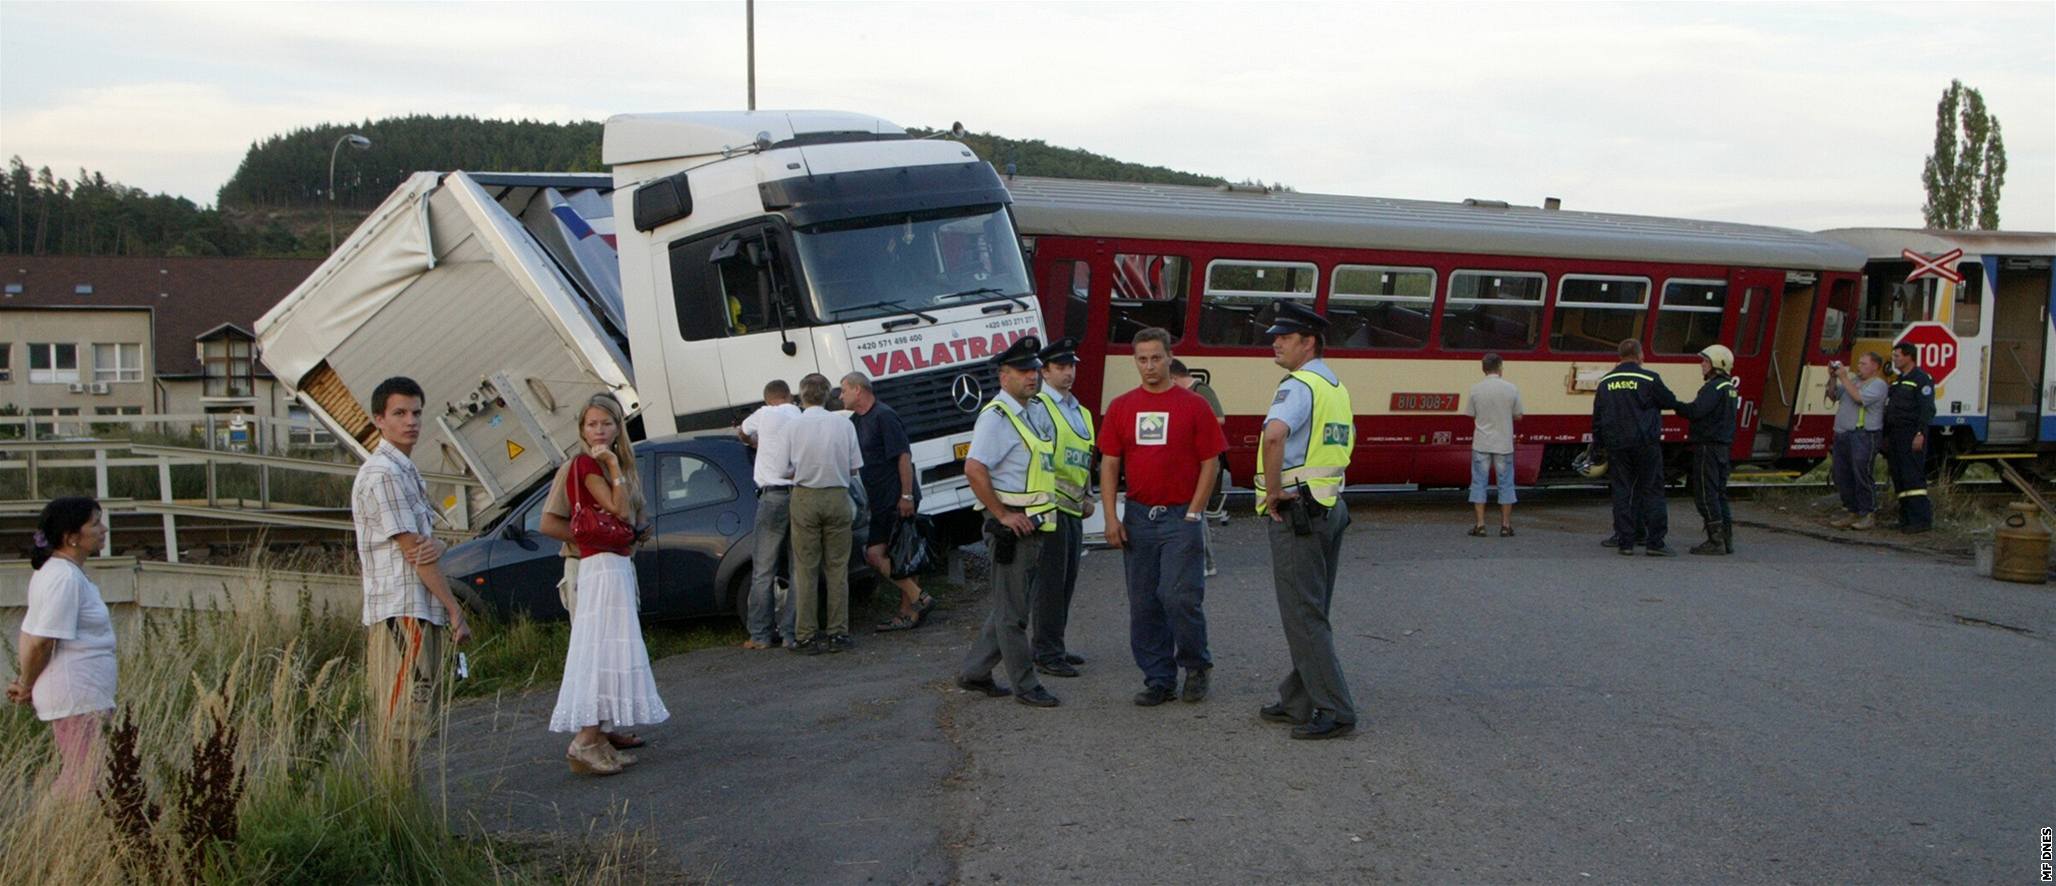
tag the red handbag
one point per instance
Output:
(594, 528)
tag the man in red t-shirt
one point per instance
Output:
(1164, 439)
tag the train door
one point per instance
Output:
(2041, 265)
(1752, 302)
(1065, 280)
(2020, 320)
(1783, 362)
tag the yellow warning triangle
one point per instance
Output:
(514, 450)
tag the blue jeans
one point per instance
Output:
(1166, 587)
(1501, 465)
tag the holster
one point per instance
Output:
(1003, 541)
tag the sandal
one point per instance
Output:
(623, 741)
(921, 608)
(1505, 532)
(1478, 530)
(898, 623)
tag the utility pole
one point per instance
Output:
(750, 34)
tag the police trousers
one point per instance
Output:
(1303, 570)
(1710, 465)
(1055, 581)
(1909, 478)
(1635, 476)
(1004, 638)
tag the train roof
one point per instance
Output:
(1185, 212)
(1888, 242)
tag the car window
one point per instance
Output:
(689, 481)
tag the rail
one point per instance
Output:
(456, 520)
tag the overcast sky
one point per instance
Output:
(1797, 115)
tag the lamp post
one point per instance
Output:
(356, 141)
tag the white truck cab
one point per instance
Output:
(726, 250)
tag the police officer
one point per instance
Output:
(1909, 409)
(1057, 575)
(1712, 414)
(1627, 421)
(1302, 458)
(1012, 471)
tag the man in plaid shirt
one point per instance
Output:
(409, 612)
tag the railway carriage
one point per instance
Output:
(1979, 305)
(1416, 292)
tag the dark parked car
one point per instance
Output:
(704, 503)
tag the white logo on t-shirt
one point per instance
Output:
(1152, 428)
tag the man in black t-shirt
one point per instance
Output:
(888, 477)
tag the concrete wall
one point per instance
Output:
(133, 588)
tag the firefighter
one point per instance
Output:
(1712, 414)
(1909, 409)
(1627, 422)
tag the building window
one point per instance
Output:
(6, 368)
(228, 366)
(1689, 317)
(118, 362)
(1241, 294)
(1380, 307)
(53, 364)
(1149, 290)
(1493, 311)
(53, 425)
(1595, 314)
(303, 429)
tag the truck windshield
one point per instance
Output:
(905, 263)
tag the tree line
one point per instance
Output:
(44, 214)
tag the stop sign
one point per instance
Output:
(1934, 346)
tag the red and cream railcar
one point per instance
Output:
(1417, 292)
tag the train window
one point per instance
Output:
(1970, 299)
(1148, 290)
(1379, 307)
(1749, 342)
(1835, 325)
(1240, 294)
(1069, 286)
(1595, 314)
(1890, 301)
(1493, 311)
(1689, 317)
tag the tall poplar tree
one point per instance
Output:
(1968, 168)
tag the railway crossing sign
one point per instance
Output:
(1937, 267)
(1934, 346)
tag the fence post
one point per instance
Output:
(170, 522)
(35, 487)
(100, 490)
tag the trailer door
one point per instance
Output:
(1753, 298)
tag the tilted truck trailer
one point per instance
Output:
(725, 250)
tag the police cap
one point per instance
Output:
(1292, 317)
(1022, 354)
(1063, 350)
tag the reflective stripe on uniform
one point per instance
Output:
(1073, 453)
(1911, 492)
(1330, 440)
(1040, 495)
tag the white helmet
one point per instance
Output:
(1723, 360)
(1589, 464)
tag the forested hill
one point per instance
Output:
(274, 204)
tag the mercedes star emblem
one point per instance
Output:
(965, 393)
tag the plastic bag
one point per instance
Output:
(911, 550)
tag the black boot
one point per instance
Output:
(1727, 536)
(1712, 544)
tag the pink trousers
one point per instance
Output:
(80, 749)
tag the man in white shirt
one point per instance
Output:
(408, 610)
(823, 458)
(1495, 404)
(765, 430)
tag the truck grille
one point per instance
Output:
(924, 400)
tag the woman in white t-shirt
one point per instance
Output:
(66, 663)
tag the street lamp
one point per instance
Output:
(356, 141)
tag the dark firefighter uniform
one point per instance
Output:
(1712, 414)
(1627, 421)
(1909, 409)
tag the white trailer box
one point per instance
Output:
(498, 293)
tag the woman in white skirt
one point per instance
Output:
(607, 682)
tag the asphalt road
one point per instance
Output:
(1534, 709)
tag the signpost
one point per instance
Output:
(1934, 346)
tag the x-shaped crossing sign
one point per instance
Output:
(1933, 267)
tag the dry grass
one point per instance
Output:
(269, 701)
